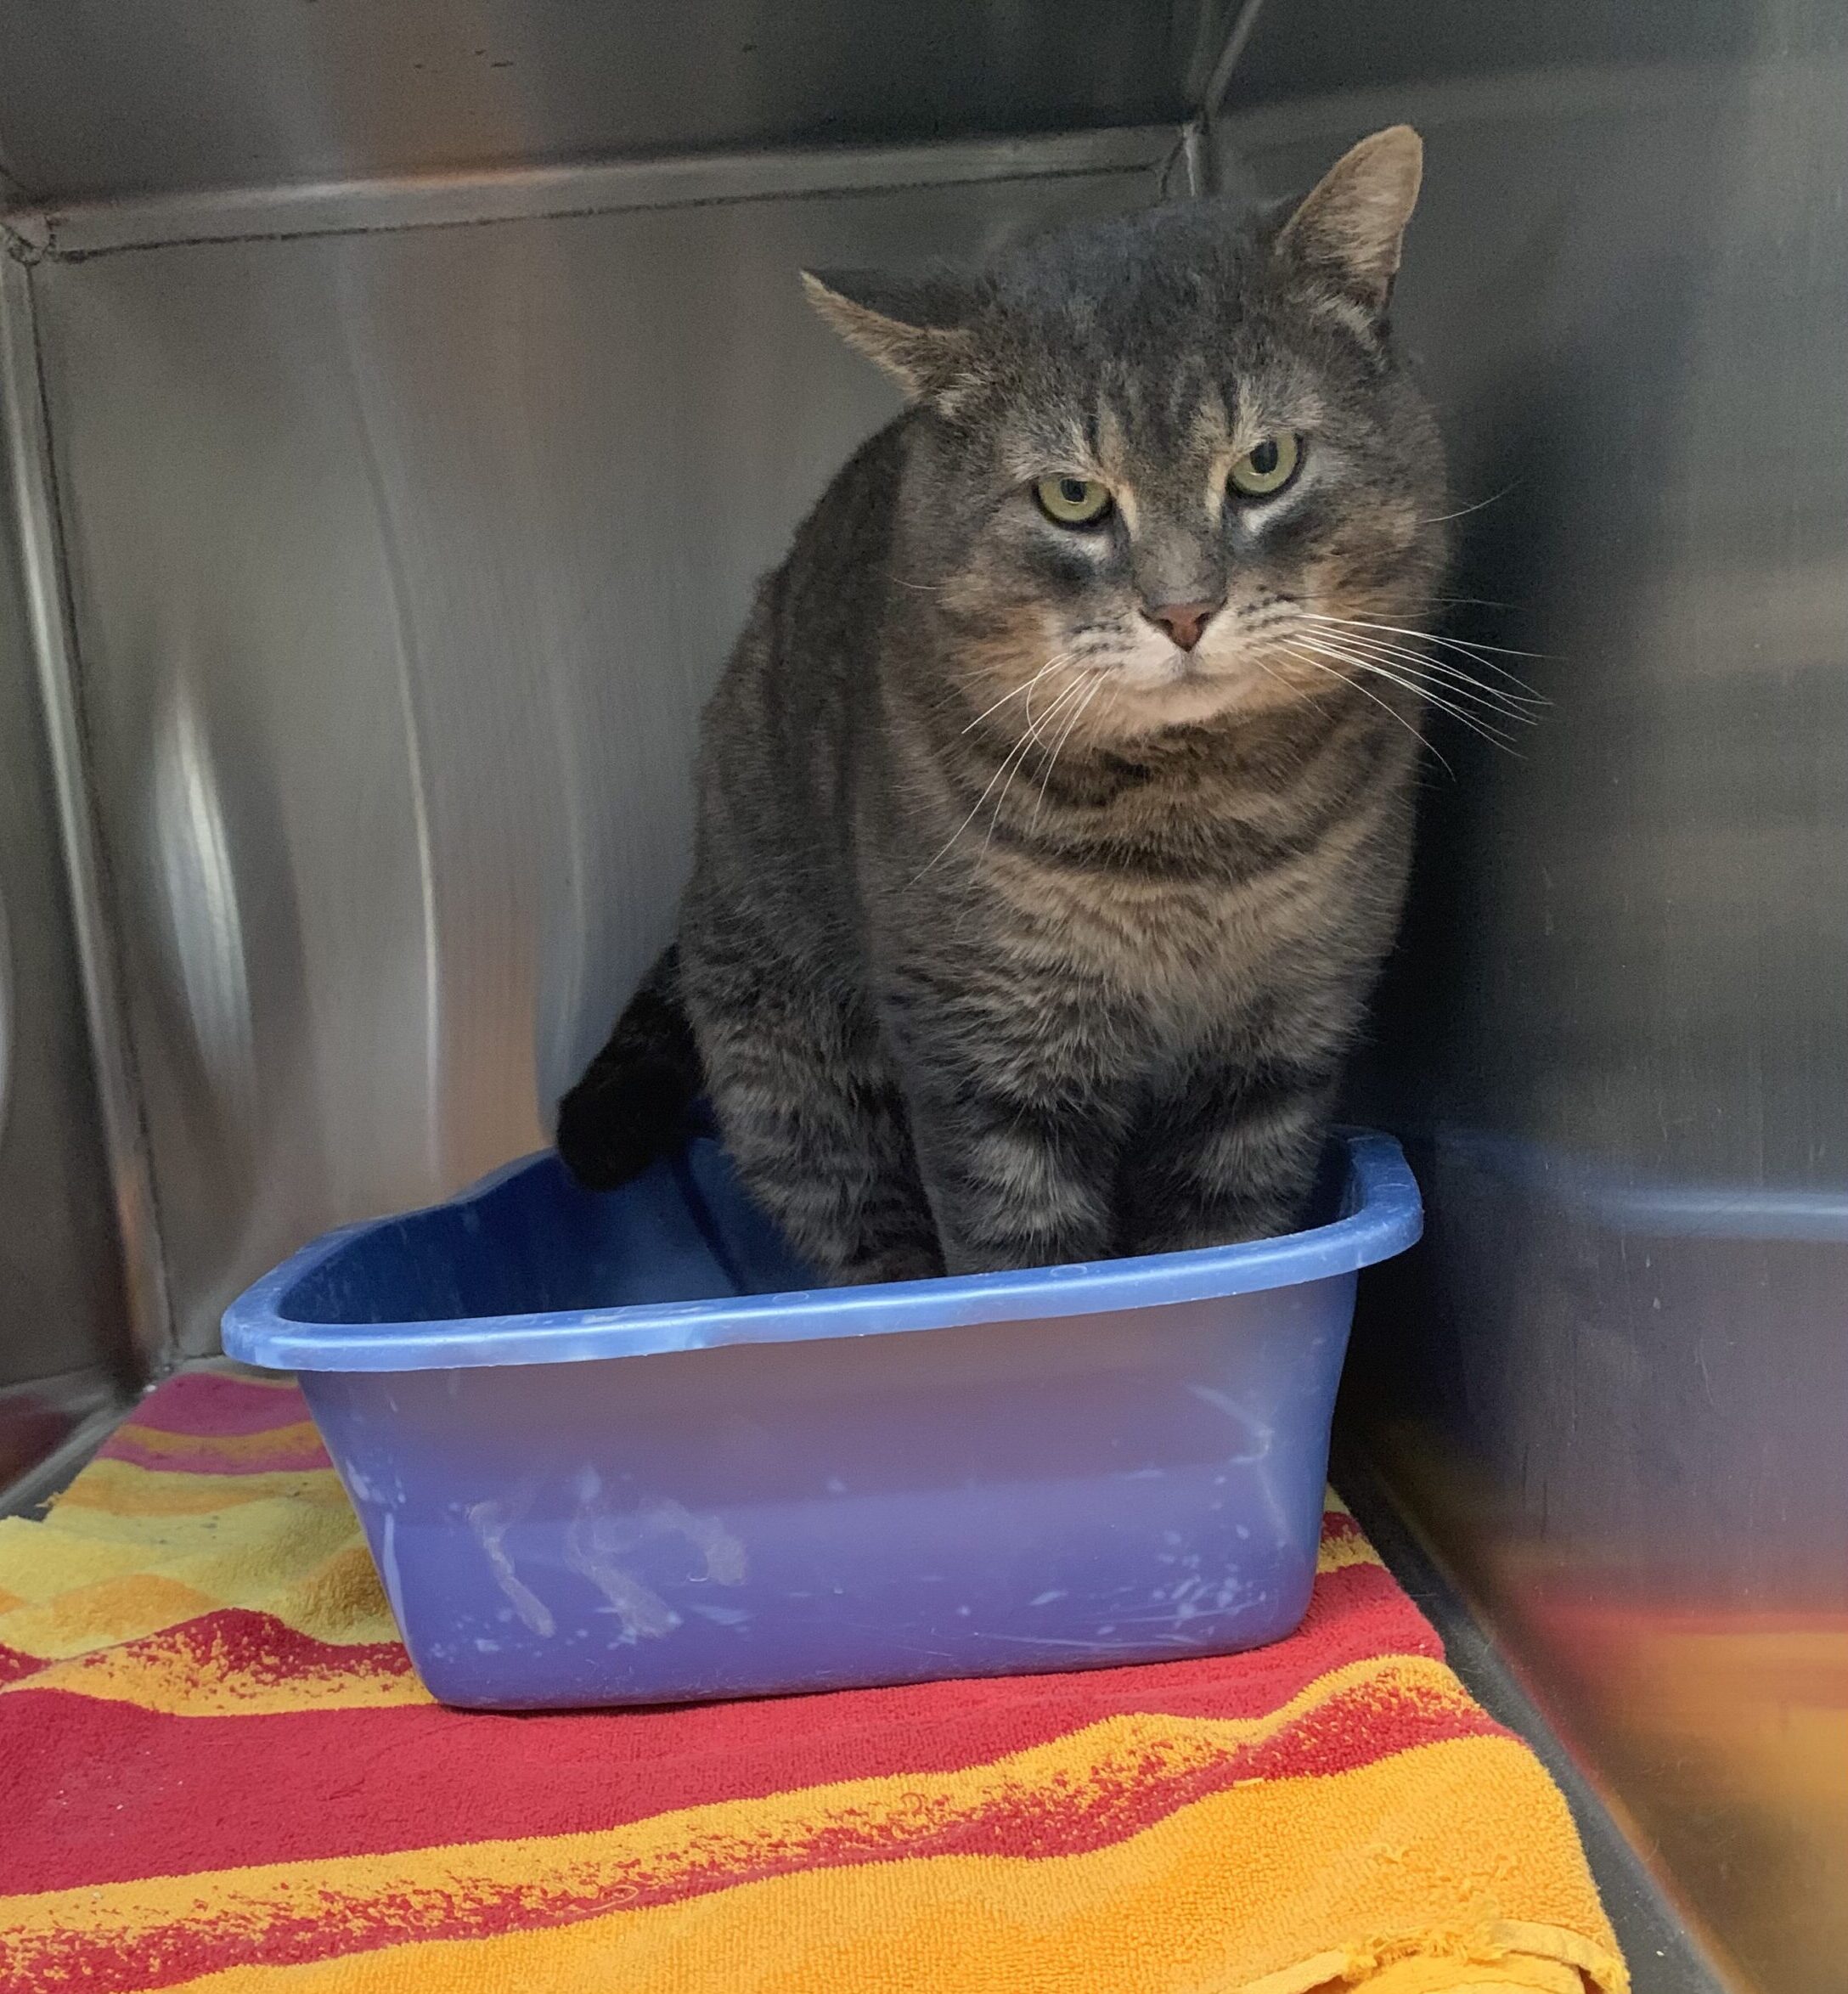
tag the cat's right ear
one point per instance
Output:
(910, 330)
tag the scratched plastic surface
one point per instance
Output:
(614, 1450)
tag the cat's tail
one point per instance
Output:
(633, 1105)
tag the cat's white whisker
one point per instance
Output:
(1421, 689)
(1063, 657)
(1385, 706)
(1000, 771)
(1034, 736)
(1469, 647)
(1464, 512)
(1512, 687)
(1058, 747)
(1359, 661)
(1010, 761)
(1486, 715)
(1505, 702)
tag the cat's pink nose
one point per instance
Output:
(1182, 621)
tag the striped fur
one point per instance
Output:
(1018, 933)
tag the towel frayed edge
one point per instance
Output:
(1503, 1943)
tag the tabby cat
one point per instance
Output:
(1055, 810)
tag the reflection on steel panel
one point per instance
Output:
(96, 98)
(63, 1340)
(1614, 1381)
(402, 564)
(1302, 48)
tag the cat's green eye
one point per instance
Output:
(1267, 467)
(1073, 502)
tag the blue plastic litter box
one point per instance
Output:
(616, 1449)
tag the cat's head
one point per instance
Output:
(1172, 463)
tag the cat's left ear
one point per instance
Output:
(913, 330)
(1349, 230)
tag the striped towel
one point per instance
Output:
(217, 1771)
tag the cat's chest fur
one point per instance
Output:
(1188, 953)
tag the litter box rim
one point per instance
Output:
(1383, 1216)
